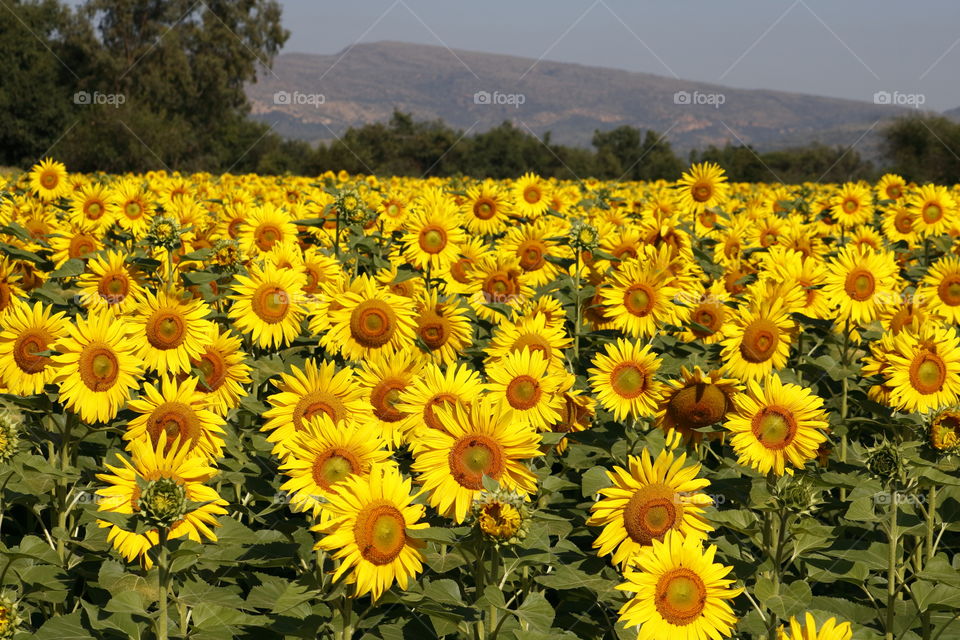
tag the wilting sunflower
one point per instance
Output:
(383, 378)
(94, 206)
(858, 281)
(924, 370)
(265, 227)
(179, 411)
(97, 365)
(703, 186)
(371, 517)
(369, 320)
(48, 179)
(679, 592)
(758, 340)
(945, 430)
(531, 196)
(933, 208)
(533, 332)
(222, 371)
(170, 330)
(266, 304)
(317, 388)
(622, 379)
(852, 204)
(433, 232)
(941, 289)
(485, 440)
(777, 424)
(486, 210)
(109, 283)
(442, 325)
(149, 465)
(523, 381)
(29, 331)
(639, 299)
(646, 501)
(831, 630)
(695, 401)
(325, 454)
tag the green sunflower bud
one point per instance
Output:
(9, 434)
(9, 617)
(163, 502)
(164, 233)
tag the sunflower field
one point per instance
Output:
(367, 408)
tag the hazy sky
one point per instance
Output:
(841, 48)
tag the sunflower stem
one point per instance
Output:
(892, 563)
(163, 578)
(577, 310)
(169, 270)
(774, 527)
(494, 579)
(844, 406)
(346, 611)
(929, 551)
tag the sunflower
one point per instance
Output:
(265, 227)
(924, 368)
(531, 196)
(369, 320)
(486, 210)
(703, 314)
(457, 278)
(148, 465)
(577, 412)
(830, 630)
(777, 424)
(266, 305)
(302, 394)
(325, 454)
(97, 365)
(109, 283)
(695, 401)
(371, 517)
(646, 501)
(534, 332)
(679, 592)
(320, 270)
(933, 208)
(180, 411)
(392, 212)
(531, 245)
(945, 431)
(523, 381)
(94, 206)
(222, 371)
(73, 241)
(435, 387)
(29, 331)
(897, 225)
(433, 234)
(383, 379)
(497, 280)
(702, 187)
(442, 326)
(134, 207)
(170, 331)
(486, 440)
(859, 281)
(891, 187)
(852, 204)
(942, 289)
(48, 179)
(639, 299)
(758, 340)
(791, 271)
(622, 379)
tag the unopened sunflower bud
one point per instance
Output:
(163, 502)
(9, 617)
(9, 434)
(164, 233)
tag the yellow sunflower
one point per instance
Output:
(109, 283)
(29, 331)
(170, 330)
(933, 208)
(48, 179)
(384, 378)
(442, 326)
(897, 225)
(223, 372)
(924, 368)
(622, 379)
(369, 320)
(371, 517)
(852, 205)
(531, 245)
(859, 281)
(831, 630)
(639, 299)
(523, 381)
(679, 592)
(433, 233)
(150, 464)
(695, 401)
(702, 187)
(486, 210)
(97, 365)
(777, 424)
(134, 206)
(265, 227)
(531, 196)
(497, 280)
(267, 305)
(94, 206)
(73, 241)
(646, 501)
(891, 187)
(180, 411)
(534, 332)
(486, 440)
(758, 340)
(941, 289)
(704, 313)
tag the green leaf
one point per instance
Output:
(68, 627)
(71, 268)
(593, 480)
(535, 613)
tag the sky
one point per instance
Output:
(839, 48)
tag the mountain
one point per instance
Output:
(953, 114)
(314, 97)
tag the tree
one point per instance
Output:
(924, 148)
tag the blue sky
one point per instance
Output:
(841, 48)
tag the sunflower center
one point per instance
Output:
(49, 179)
(928, 372)
(81, 245)
(932, 213)
(680, 596)
(708, 316)
(500, 287)
(313, 403)
(99, 367)
(429, 415)
(133, 210)
(639, 300)
(474, 456)
(532, 194)
(213, 368)
(760, 339)
(702, 192)
(894, 192)
(530, 253)
(460, 268)
(266, 236)
(166, 330)
(93, 210)
(850, 205)
(628, 380)
(380, 533)
(433, 329)
(433, 239)
(860, 284)
(270, 303)
(175, 419)
(333, 466)
(903, 221)
(26, 347)
(774, 427)
(523, 392)
(949, 290)
(113, 288)
(384, 398)
(372, 323)
(650, 513)
(698, 405)
(484, 208)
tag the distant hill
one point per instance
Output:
(366, 83)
